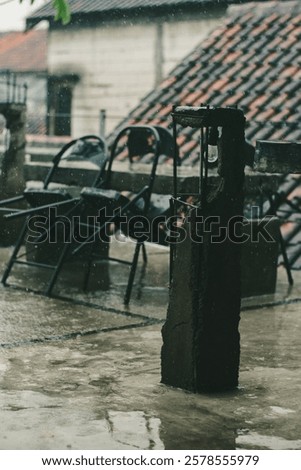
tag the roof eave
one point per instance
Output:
(32, 21)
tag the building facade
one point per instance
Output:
(23, 60)
(112, 53)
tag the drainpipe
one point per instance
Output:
(159, 54)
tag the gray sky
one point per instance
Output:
(13, 14)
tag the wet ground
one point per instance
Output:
(84, 372)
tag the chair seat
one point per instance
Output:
(159, 205)
(99, 193)
(99, 198)
(40, 197)
(110, 199)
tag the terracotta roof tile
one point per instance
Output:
(289, 29)
(168, 82)
(232, 57)
(219, 84)
(234, 99)
(280, 133)
(233, 30)
(283, 114)
(291, 40)
(165, 111)
(258, 102)
(297, 19)
(260, 29)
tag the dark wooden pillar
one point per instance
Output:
(201, 346)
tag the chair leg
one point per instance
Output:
(127, 296)
(88, 272)
(144, 253)
(285, 260)
(57, 269)
(273, 211)
(14, 253)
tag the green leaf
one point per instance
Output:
(62, 10)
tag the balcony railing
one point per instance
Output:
(11, 91)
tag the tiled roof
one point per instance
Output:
(105, 6)
(252, 61)
(24, 52)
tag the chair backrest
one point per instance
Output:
(141, 140)
(166, 141)
(89, 148)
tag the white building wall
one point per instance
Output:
(117, 63)
(181, 37)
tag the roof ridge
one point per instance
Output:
(258, 9)
(104, 6)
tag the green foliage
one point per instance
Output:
(62, 10)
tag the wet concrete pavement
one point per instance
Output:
(84, 373)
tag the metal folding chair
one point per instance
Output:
(279, 158)
(143, 143)
(87, 148)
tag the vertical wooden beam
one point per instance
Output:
(201, 343)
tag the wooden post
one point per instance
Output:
(201, 343)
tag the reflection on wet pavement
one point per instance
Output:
(124, 428)
(258, 441)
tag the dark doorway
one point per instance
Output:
(59, 105)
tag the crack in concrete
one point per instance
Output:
(85, 303)
(76, 334)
